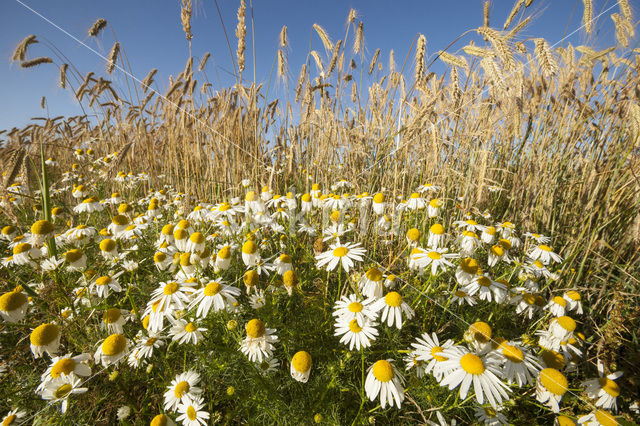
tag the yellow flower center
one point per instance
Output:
(249, 247)
(12, 300)
(44, 334)
(289, 278)
(374, 274)
(383, 371)
(301, 362)
(573, 295)
(181, 388)
(497, 250)
(171, 288)
(180, 234)
(434, 255)
(103, 280)
(9, 420)
(354, 326)
(355, 307)
(212, 289)
(378, 198)
(553, 359)
(120, 220)
(553, 381)
(185, 259)
(413, 234)
(190, 328)
(481, 331)
(436, 350)
(197, 238)
(605, 418)
(73, 255)
(107, 245)
(250, 278)
(159, 257)
(340, 251)
(251, 196)
(567, 323)
(42, 227)
(63, 366)
(544, 247)
(472, 364)
(393, 299)
(114, 344)
(111, 315)
(225, 252)
(512, 353)
(415, 195)
(469, 265)
(255, 328)
(484, 281)
(191, 413)
(437, 229)
(21, 248)
(609, 386)
(62, 391)
(435, 203)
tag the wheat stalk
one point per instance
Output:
(357, 42)
(62, 80)
(374, 61)
(587, 17)
(20, 54)
(545, 58)
(241, 33)
(421, 48)
(514, 11)
(284, 41)
(113, 57)
(326, 41)
(185, 18)
(97, 26)
(35, 62)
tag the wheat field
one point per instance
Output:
(518, 139)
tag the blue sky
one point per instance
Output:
(151, 36)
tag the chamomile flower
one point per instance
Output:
(214, 295)
(574, 301)
(551, 385)
(384, 380)
(301, 366)
(61, 388)
(344, 254)
(604, 389)
(437, 258)
(427, 349)
(598, 418)
(433, 208)
(378, 203)
(545, 254)
(250, 254)
(486, 289)
(112, 350)
(76, 259)
(41, 231)
(66, 365)
(469, 242)
(181, 389)
(416, 202)
(104, 285)
(518, 364)
(268, 366)
(223, 259)
(186, 332)
(355, 334)
(191, 412)
(465, 368)
(467, 271)
(371, 283)
(45, 338)
(351, 307)
(13, 417)
(258, 344)
(556, 306)
(488, 234)
(462, 297)
(13, 306)
(392, 307)
(563, 327)
(479, 336)
(437, 236)
(144, 348)
(113, 320)
(490, 416)
(538, 238)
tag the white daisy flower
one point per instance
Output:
(465, 368)
(267, 366)
(574, 301)
(469, 242)
(383, 379)
(13, 306)
(416, 202)
(186, 332)
(104, 285)
(467, 271)
(427, 348)
(490, 416)
(486, 289)
(598, 418)
(61, 388)
(354, 333)
(65, 365)
(45, 338)
(371, 283)
(191, 412)
(257, 300)
(258, 344)
(551, 385)
(351, 307)
(462, 297)
(392, 307)
(215, 295)
(438, 258)
(301, 366)
(433, 208)
(181, 389)
(488, 234)
(112, 350)
(518, 364)
(13, 417)
(538, 238)
(113, 320)
(437, 236)
(344, 254)
(604, 389)
(545, 254)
